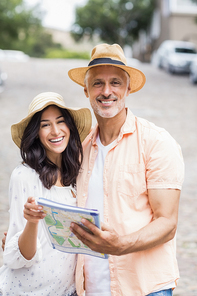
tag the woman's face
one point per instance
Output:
(53, 133)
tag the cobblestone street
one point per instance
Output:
(170, 101)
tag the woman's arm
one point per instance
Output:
(28, 239)
(24, 182)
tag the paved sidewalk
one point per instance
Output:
(169, 101)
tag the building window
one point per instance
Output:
(183, 6)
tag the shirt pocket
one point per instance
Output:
(132, 179)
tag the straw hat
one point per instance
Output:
(82, 117)
(105, 54)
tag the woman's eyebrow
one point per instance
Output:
(49, 119)
(60, 116)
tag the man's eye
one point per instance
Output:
(97, 83)
(116, 82)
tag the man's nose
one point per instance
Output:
(107, 91)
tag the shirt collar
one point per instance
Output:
(128, 127)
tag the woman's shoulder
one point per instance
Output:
(23, 171)
(25, 182)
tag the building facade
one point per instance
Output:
(172, 20)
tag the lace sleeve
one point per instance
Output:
(19, 190)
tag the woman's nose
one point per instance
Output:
(54, 130)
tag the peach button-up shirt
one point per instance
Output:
(143, 157)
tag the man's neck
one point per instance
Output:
(109, 128)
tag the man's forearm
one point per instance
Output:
(157, 232)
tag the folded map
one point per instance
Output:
(57, 226)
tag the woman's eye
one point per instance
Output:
(44, 125)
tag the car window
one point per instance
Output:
(184, 50)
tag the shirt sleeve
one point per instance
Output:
(19, 190)
(164, 162)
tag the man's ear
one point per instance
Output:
(128, 90)
(86, 91)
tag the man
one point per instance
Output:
(132, 172)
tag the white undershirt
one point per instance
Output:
(97, 275)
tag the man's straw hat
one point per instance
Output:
(82, 117)
(105, 54)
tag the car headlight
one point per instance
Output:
(178, 63)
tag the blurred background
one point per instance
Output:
(40, 40)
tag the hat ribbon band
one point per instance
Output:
(105, 61)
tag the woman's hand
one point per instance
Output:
(33, 212)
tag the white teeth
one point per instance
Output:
(106, 102)
(56, 140)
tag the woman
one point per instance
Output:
(49, 139)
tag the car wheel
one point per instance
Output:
(171, 69)
(160, 66)
(192, 78)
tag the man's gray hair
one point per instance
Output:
(87, 73)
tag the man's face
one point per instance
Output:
(107, 87)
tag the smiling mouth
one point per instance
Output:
(106, 102)
(56, 140)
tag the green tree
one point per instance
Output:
(113, 20)
(17, 22)
(21, 28)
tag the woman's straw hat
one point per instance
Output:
(82, 117)
(105, 54)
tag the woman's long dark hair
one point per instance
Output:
(34, 154)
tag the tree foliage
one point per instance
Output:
(21, 28)
(116, 21)
(16, 22)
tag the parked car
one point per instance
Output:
(193, 71)
(13, 55)
(3, 77)
(176, 56)
(1, 82)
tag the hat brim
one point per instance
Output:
(137, 78)
(82, 118)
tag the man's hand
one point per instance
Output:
(3, 240)
(162, 228)
(32, 212)
(105, 241)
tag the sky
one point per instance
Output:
(60, 14)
